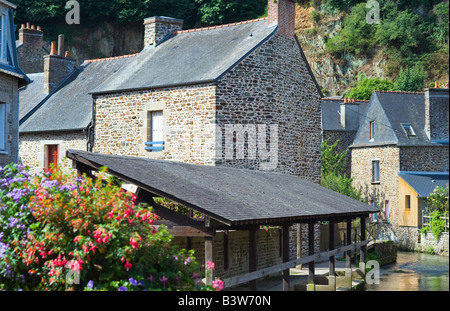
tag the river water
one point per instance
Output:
(414, 272)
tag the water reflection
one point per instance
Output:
(414, 272)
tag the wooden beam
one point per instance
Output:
(209, 256)
(348, 254)
(311, 266)
(331, 246)
(147, 197)
(253, 255)
(363, 252)
(285, 251)
(244, 278)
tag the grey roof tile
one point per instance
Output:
(231, 195)
(425, 182)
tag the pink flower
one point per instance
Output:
(127, 266)
(217, 284)
(210, 265)
(164, 279)
(133, 243)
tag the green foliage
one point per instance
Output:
(438, 199)
(365, 87)
(402, 30)
(357, 36)
(214, 12)
(333, 164)
(67, 232)
(440, 32)
(411, 79)
(437, 203)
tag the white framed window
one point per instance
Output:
(371, 130)
(375, 171)
(2, 127)
(156, 133)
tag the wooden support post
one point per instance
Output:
(209, 256)
(331, 260)
(311, 252)
(253, 255)
(285, 246)
(348, 254)
(363, 252)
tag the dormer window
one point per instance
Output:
(409, 130)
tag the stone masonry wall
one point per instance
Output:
(122, 123)
(424, 159)
(31, 147)
(387, 188)
(272, 86)
(9, 97)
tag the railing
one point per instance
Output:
(426, 221)
(153, 146)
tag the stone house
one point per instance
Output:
(341, 118)
(240, 95)
(402, 132)
(194, 95)
(11, 78)
(56, 108)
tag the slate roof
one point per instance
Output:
(230, 195)
(390, 110)
(70, 106)
(189, 57)
(425, 182)
(331, 118)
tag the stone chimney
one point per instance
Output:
(349, 112)
(437, 113)
(57, 67)
(29, 36)
(158, 27)
(282, 13)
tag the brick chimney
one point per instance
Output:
(29, 36)
(158, 27)
(282, 13)
(437, 113)
(57, 67)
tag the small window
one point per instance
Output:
(407, 202)
(375, 171)
(51, 157)
(155, 136)
(386, 210)
(2, 126)
(372, 130)
(408, 130)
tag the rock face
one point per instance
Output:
(334, 75)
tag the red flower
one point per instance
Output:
(127, 266)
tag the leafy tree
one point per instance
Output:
(365, 87)
(214, 12)
(410, 79)
(357, 36)
(402, 30)
(333, 164)
(440, 32)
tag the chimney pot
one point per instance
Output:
(447, 85)
(39, 28)
(67, 54)
(22, 26)
(28, 25)
(436, 84)
(61, 45)
(32, 27)
(53, 48)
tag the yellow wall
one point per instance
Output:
(409, 218)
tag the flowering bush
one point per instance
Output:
(62, 232)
